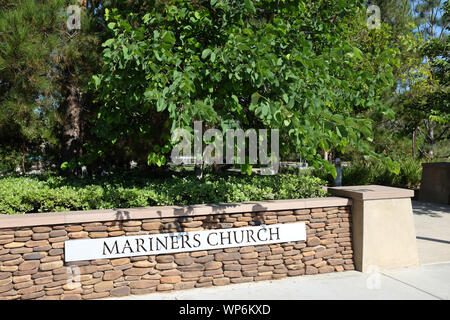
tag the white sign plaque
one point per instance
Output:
(153, 244)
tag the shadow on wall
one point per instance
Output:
(183, 213)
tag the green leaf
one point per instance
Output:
(161, 104)
(206, 53)
(168, 37)
(108, 42)
(393, 166)
(249, 6)
(255, 98)
(64, 166)
(246, 169)
(146, 18)
(96, 80)
(330, 168)
(160, 161)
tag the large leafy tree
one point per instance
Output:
(308, 68)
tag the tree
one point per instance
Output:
(291, 65)
(427, 98)
(430, 18)
(398, 15)
(418, 30)
(28, 37)
(77, 58)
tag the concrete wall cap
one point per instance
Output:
(73, 217)
(371, 192)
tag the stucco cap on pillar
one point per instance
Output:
(383, 231)
(371, 192)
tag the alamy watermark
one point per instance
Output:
(74, 280)
(74, 17)
(373, 281)
(374, 20)
(213, 153)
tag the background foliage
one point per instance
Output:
(309, 68)
(112, 92)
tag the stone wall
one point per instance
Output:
(32, 257)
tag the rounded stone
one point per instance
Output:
(51, 265)
(103, 286)
(28, 265)
(212, 265)
(40, 236)
(143, 284)
(165, 287)
(120, 292)
(13, 245)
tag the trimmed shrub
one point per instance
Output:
(47, 194)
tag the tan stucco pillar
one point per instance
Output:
(383, 231)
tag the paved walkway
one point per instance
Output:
(432, 223)
(431, 280)
(428, 282)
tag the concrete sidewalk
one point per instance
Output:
(432, 222)
(430, 281)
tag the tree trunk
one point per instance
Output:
(430, 136)
(23, 159)
(198, 171)
(72, 126)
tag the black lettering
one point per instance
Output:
(259, 236)
(250, 236)
(195, 236)
(140, 245)
(185, 240)
(242, 237)
(273, 233)
(150, 244)
(114, 247)
(127, 246)
(174, 242)
(208, 239)
(164, 245)
(222, 238)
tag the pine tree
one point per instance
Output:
(77, 59)
(429, 18)
(44, 73)
(433, 25)
(27, 40)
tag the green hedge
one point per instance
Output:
(38, 194)
(376, 172)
